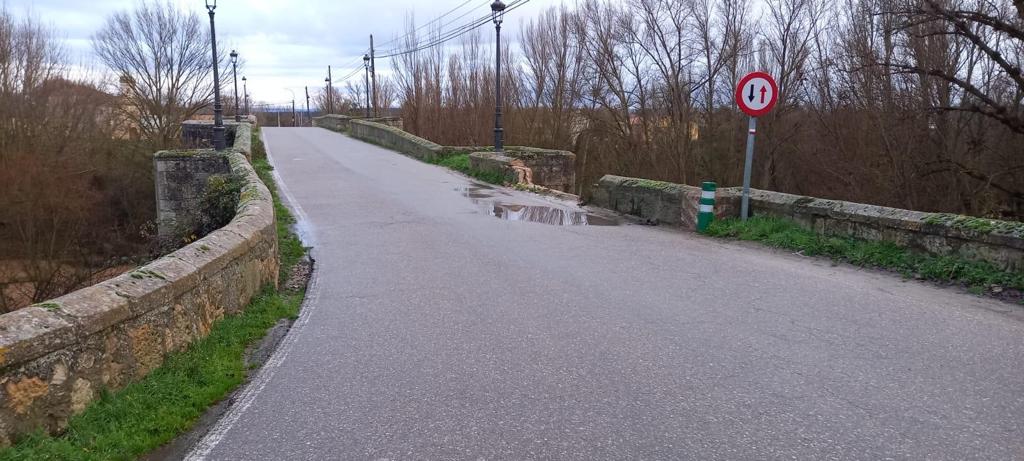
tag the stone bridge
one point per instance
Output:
(448, 318)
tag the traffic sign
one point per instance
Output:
(757, 93)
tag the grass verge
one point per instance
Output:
(144, 415)
(782, 233)
(460, 163)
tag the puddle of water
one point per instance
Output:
(484, 197)
(305, 231)
(543, 214)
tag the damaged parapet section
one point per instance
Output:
(59, 356)
(531, 166)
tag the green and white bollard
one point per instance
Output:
(706, 212)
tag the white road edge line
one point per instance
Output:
(212, 438)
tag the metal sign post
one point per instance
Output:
(748, 166)
(756, 94)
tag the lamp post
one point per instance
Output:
(330, 103)
(366, 64)
(497, 15)
(245, 94)
(234, 76)
(218, 110)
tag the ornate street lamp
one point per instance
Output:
(234, 76)
(330, 96)
(366, 64)
(497, 15)
(245, 94)
(218, 116)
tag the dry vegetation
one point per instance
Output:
(907, 103)
(76, 185)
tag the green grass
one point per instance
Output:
(289, 247)
(782, 233)
(144, 415)
(460, 162)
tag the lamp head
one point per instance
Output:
(243, 78)
(211, 5)
(234, 57)
(366, 60)
(497, 11)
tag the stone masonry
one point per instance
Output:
(181, 182)
(997, 242)
(198, 134)
(57, 357)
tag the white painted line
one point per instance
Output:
(707, 194)
(248, 395)
(707, 208)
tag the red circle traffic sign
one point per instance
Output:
(757, 93)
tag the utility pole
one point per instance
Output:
(366, 64)
(293, 112)
(373, 77)
(330, 92)
(307, 107)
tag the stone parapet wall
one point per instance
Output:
(57, 357)
(182, 177)
(551, 169)
(396, 139)
(655, 201)
(998, 242)
(342, 123)
(492, 162)
(333, 122)
(198, 134)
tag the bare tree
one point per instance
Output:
(891, 102)
(161, 56)
(69, 201)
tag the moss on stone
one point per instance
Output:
(185, 153)
(802, 201)
(976, 225)
(142, 274)
(650, 184)
(50, 306)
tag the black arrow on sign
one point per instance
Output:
(751, 97)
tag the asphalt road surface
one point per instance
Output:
(435, 330)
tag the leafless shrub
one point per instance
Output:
(906, 103)
(73, 199)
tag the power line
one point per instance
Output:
(450, 34)
(409, 34)
(356, 64)
(455, 33)
(441, 38)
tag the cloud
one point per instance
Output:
(284, 44)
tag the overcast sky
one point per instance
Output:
(284, 43)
